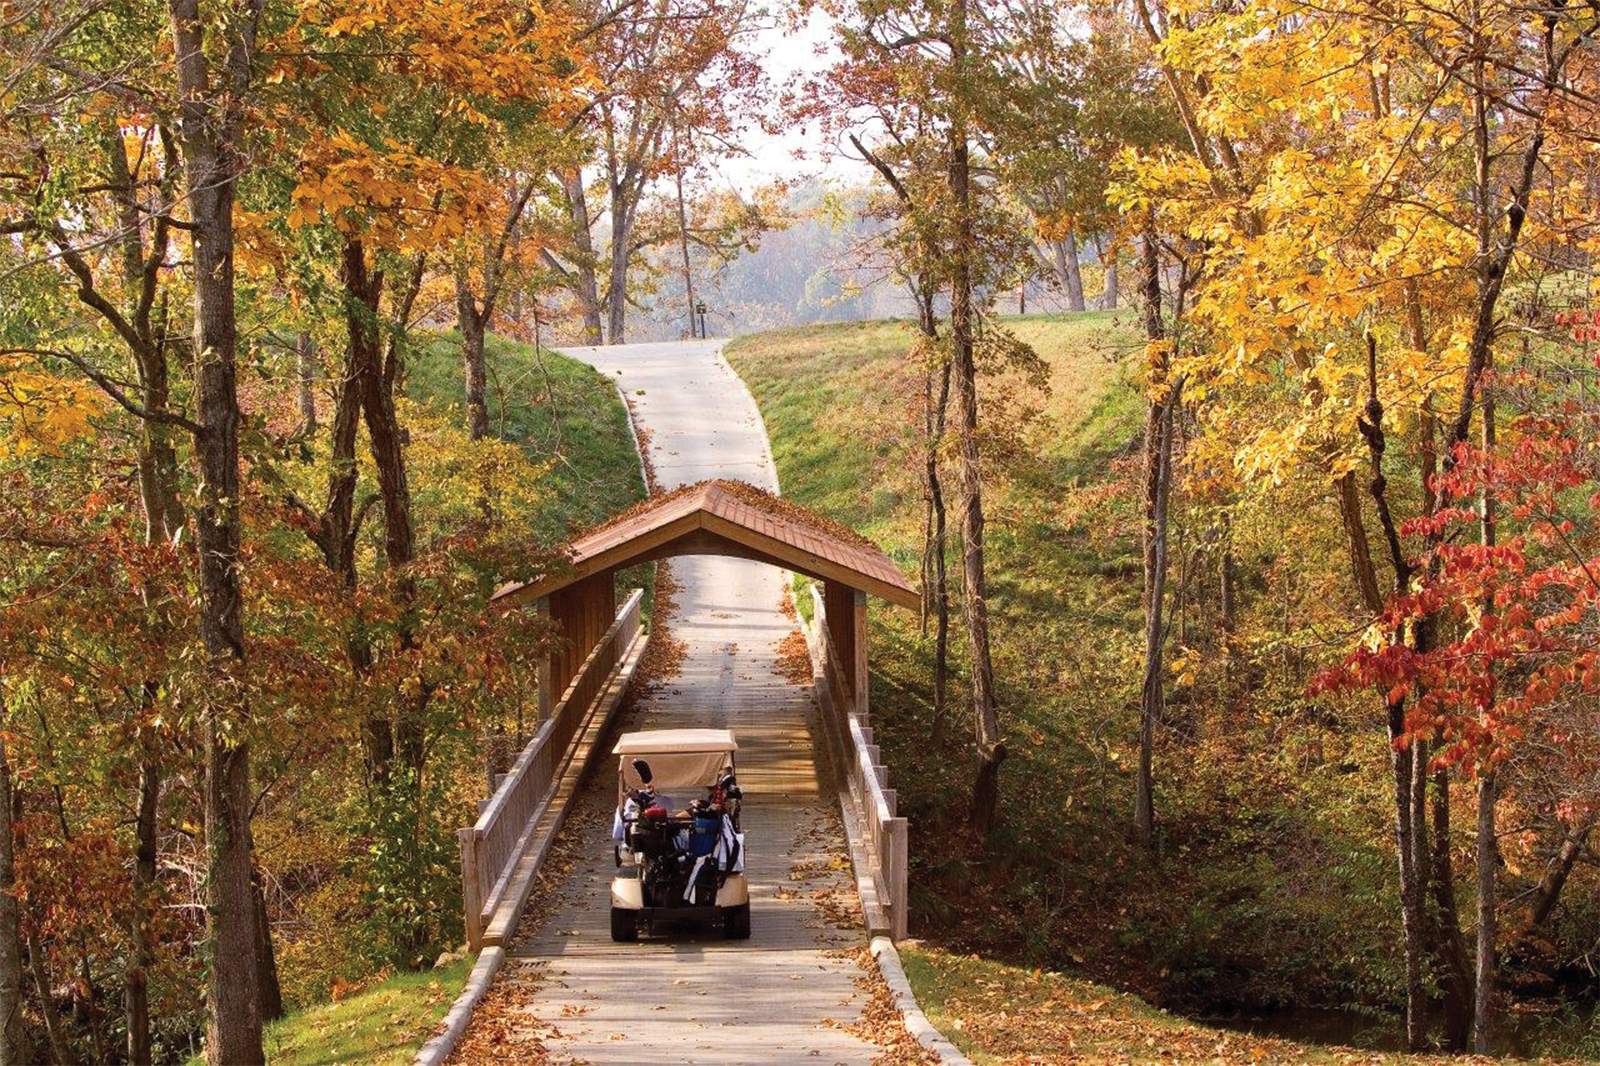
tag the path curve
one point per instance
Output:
(789, 993)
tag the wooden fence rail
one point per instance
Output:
(490, 849)
(848, 738)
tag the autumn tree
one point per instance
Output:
(1352, 303)
(678, 84)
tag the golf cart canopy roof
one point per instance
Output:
(678, 758)
(666, 741)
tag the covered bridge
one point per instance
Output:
(601, 643)
(714, 518)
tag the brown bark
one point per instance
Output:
(141, 953)
(991, 747)
(146, 335)
(271, 989)
(1070, 270)
(1488, 918)
(1450, 946)
(936, 547)
(475, 310)
(1159, 419)
(582, 274)
(683, 240)
(617, 285)
(1110, 297)
(373, 371)
(1487, 856)
(306, 360)
(1548, 892)
(1362, 570)
(1402, 753)
(211, 116)
(15, 1048)
(475, 370)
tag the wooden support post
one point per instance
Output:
(547, 667)
(858, 664)
(471, 893)
(895, 871)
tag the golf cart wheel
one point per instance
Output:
(625, 925)
(736, 922)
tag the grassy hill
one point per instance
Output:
(562, 412)
(1269, 890)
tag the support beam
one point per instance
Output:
(546, 671)
(858, 659)
(838, 603)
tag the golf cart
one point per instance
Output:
(679, 851)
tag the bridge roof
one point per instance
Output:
(727, 518)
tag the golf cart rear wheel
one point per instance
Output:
(736, 922)
(625, 925)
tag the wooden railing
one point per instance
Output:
(491, 848)
(848, 738)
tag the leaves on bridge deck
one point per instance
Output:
(880, 1023)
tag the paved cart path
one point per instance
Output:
(787, 993)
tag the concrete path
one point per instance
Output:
(788, 993)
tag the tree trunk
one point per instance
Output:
(1402, 754)
(1483, 1000)
(211, 123)
(620, 253)
(1110, 297)
(15, 1049)
(936, 582)
(1152, 696)
(585, 286)
(991, 747)
(1450, 945)
(1548, 892)
(141, 953)
(1411, 911)
(475, 368)
(306, 356)
(271, 989)
(941, 578)
(683, 241)
(1228, 611)
(1487, 851)
(1159, 417)
(375, 375)
(1071, 270)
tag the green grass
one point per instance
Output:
(559, 409)
(384, 1024)
(996, 1013)
(562, 412)
(1257, 877)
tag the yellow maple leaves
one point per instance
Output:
(39, 410)
(390, 195)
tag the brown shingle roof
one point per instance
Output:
(758, 522)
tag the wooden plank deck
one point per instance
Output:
(787, 994)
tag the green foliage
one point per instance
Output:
(409, 868)
(1250, 897)
(382, 1025)
(560, 411)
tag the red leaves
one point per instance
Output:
(1494, 638)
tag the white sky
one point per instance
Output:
(789, 57)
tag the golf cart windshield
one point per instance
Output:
(677, 758)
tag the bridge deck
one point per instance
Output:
(788, 993)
